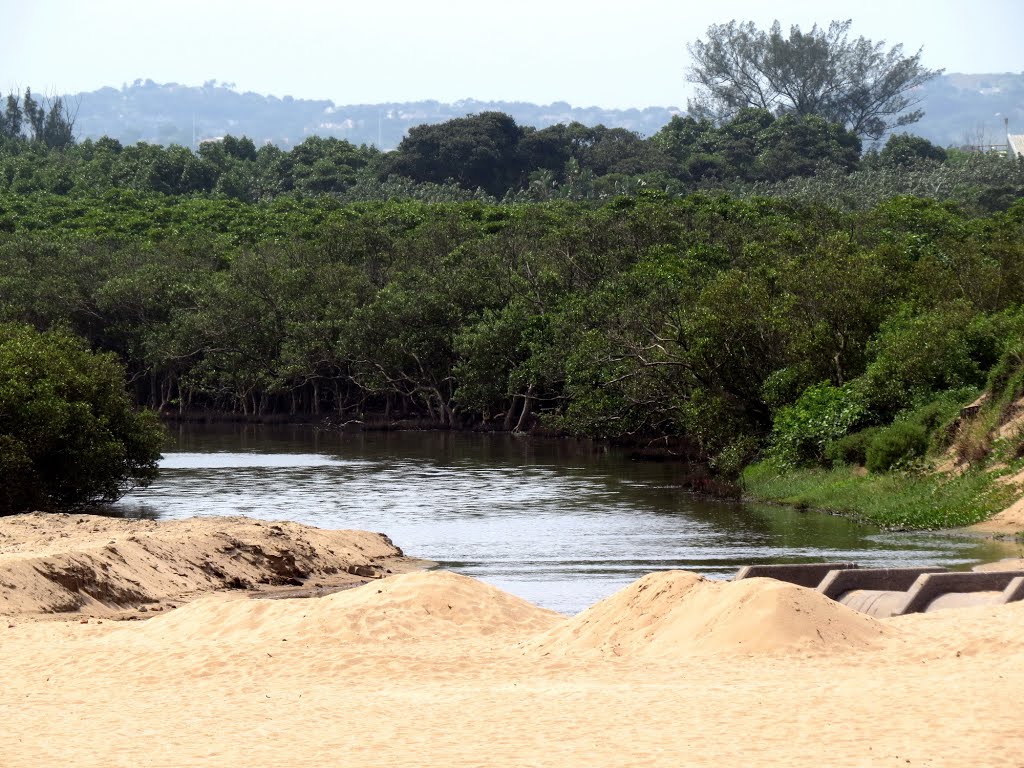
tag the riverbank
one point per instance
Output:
(436, 669)
(891, 500)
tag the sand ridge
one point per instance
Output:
(93, 565)
(367, 676)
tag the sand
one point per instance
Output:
(436, 669)
(96, 566)
(674, 613)
(1009, 522)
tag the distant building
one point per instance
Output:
(1015, 144)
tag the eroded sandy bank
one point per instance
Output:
(96, 566)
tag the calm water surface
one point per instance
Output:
(558, 523)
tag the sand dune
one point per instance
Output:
(100, 566)
(436, 669)
(675, 613)
(425, 605)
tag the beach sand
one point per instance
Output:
(432, 668)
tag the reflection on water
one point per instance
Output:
(558, 523)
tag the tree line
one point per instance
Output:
(702, 320)
(488, 157)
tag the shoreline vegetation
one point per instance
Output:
(755, 293)
(893, 501)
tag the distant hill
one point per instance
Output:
(969, 109)
(172, 114)
(960, 109)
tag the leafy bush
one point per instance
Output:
(973, 442)
(902, 149)
(730, 461)
(896, 445)
(934, 418)
(1006, 379)
(821, 415)
(916, 356)
(68, 434)
(853, 448)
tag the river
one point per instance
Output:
(559, 523)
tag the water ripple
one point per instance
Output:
(558, 527)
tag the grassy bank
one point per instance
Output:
(894, 500)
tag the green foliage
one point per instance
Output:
(68, 433)
(821, 415)
(851, 449)
(896, 445)
(903, 149)
(1005, 382)
(731, 460)
(980, 183)
(755, 146)
(48, 123)
(858, 83)
(918, 355)
(477, 151)
(709, 320)
(892, 500)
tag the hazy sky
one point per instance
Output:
(616, 54)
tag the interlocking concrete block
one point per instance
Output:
(1014, 591)
(801, 574)
(836, 583)
(929, 586)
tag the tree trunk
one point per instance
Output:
(524, 416)
(510, 413)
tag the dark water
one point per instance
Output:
(558, 523)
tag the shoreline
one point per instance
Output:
(699, 481)
(893, 501)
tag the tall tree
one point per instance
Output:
(476, 151)
(857, 83)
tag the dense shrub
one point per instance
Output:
(895, 445)
(730, 461)
(852, 449)
(68, 433)
(916, 356)
(821, 415)
(1006, 379)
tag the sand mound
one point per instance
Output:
(436, 603)
(431, 604)
(56, 563)
(679, 613)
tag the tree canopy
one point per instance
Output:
(857, 83)
(68, 433)
(695, 320)
(49, 122)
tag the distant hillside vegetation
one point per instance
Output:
(173, 114)
(969, 109)
(959, 109)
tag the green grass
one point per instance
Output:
(894, 500)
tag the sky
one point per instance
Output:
(586, 52)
